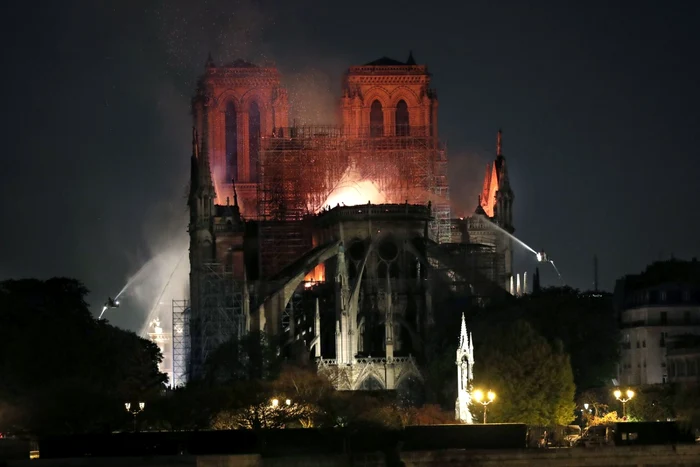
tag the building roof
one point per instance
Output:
(240, 63)
(662, 273)
(386, 61)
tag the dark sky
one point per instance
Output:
(598, 102)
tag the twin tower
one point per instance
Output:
(239, 106)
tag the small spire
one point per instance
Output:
(411, 60)
(195, 147)
(210, 62)
(194, 167)
(463, 337)
(205, 182)
(235, 194)
(499, 143)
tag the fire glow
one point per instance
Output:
(353, 190)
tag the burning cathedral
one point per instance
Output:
(339, 239)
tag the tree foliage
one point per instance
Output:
(250, 357)
(584, 323)
(62, 370)
(532, 379)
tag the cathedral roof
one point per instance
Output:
(386, 61)
(240, 63)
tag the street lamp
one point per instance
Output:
(624, 400)
(479, 397)
(276, 403)
(135, 411)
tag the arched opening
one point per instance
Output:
(254, 139)
(376, 120)
(410, 392)
(231, 142)
(402, 127)
(371, 384)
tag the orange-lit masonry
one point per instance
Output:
(273, 209)
(388, 114)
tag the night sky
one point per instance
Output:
(599, 104)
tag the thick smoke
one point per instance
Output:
(466, 178)
(186, 33)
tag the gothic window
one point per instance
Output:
(402, 121)
(231, 142)
(254, 139)
(371, 384)
(376, 120)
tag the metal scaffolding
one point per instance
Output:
(410, 168)
(220, 316)
(300, 167)
(181, 341)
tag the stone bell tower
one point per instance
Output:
(237, 105)
(387, 97)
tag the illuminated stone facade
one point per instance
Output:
(256, 244)
(389, 98)
(235, 105)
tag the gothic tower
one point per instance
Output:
(497, 201)
(202, 247)
(465, 375)
(389, 98)
(236, 106)
(389, 114)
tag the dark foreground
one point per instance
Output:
(658, 456)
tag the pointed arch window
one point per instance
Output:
(231, 142)
(376, 120)
(402, 120)
(254, 139)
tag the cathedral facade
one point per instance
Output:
(351, 282)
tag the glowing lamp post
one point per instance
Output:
(624, 400)
(135, 411)
(276, 403)
(479, 397)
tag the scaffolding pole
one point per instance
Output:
(220, 315)
(181, 341)
(300, 167)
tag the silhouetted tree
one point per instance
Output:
(62, 370)
(250, 357)
(583, 322)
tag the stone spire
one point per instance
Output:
(210, 62)
(194, 168)
(316, 343)
(465, 375)
(499, 143)
(235, 194)
(411, 61)
(536, 282)
(463, 337)
(206, 185)
(389, 322)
